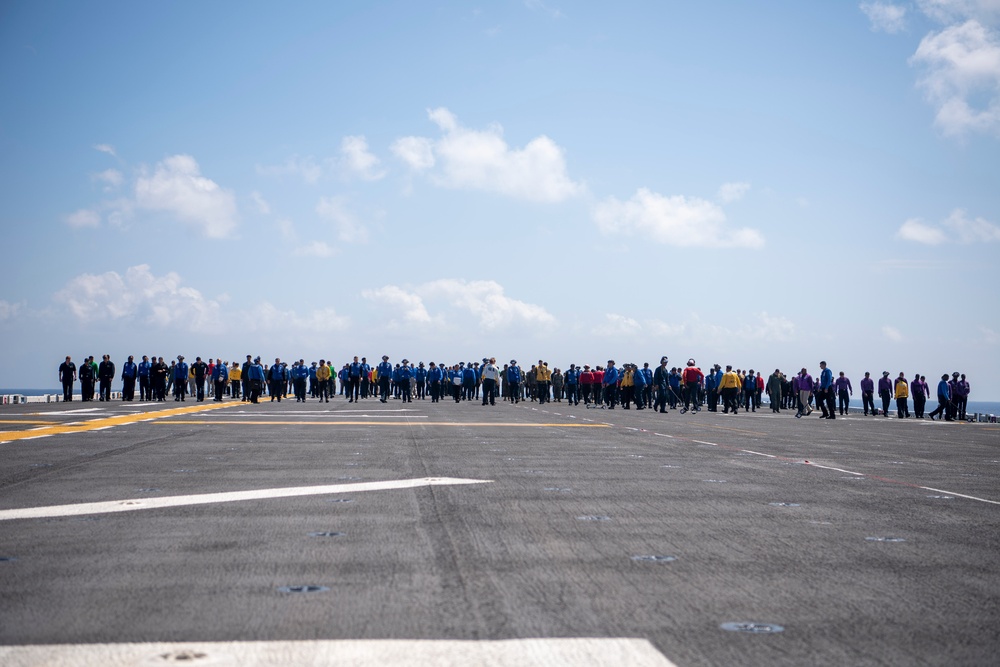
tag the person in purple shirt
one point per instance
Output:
(919, 394)
(805, 392)
(961, 396)
(844, 393)
(944, 400)
(885, 392)
(868, 394)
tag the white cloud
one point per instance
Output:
(266, 317)
(885, 17)
(617, 326)
(304, 167)
(957, 228)
(915, 230)
(730, 192)
(178, 188)
(540, 6)
(83, 218)
(112, 178)
(316, 249)
(951, 11)
(977, 230)
(165, 302)
(408, 304)
(892, 334)
(138, 296)
(455, 301)
(359, 160)
(417, 152)
(962, 77)
(990, 337)
(262, 206)
(482, 160)
(959, 64)
(677, 220)
(349, 228)
(486, 300)
(9, 311)
(106, 148)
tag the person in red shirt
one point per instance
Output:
(586, 383)
(692, 376)
(598, 385)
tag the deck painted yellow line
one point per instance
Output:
(357, 423)
(102, 423)
(577, 651)
(133, 504)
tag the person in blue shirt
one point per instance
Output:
(313, 382)
(384, 371)
(572, 385)
(145, 386)
(610, 382)
(220, 375)
(300, 373)
(434, 378)
(405, 374)
(944, 400)
(420, 377)
(354, 381)
(712, 380)
(826, 397)
(468, 383)
(129, 373)
(514, 381)
(254, 374)
(277, 380)
(180, 378)
(647, 387)
(639, 382)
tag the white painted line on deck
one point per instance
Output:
(750, 451)
(580, 652)
(702, 442)
(960, 495)
(227, 497)
(848, 472)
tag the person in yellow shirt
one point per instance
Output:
(902, 394)
(235, 378)
(627, 386)
(323, 378)
(730, 387)
(543, 376)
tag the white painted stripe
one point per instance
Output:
(227, 497)
(580, 652)
(849, 472)
(702, 442)
(750, 451)
(70, 412)
(960, 495)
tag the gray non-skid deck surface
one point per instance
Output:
(546, 549)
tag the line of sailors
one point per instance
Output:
(603, 385)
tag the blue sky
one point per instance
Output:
(761, 184)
